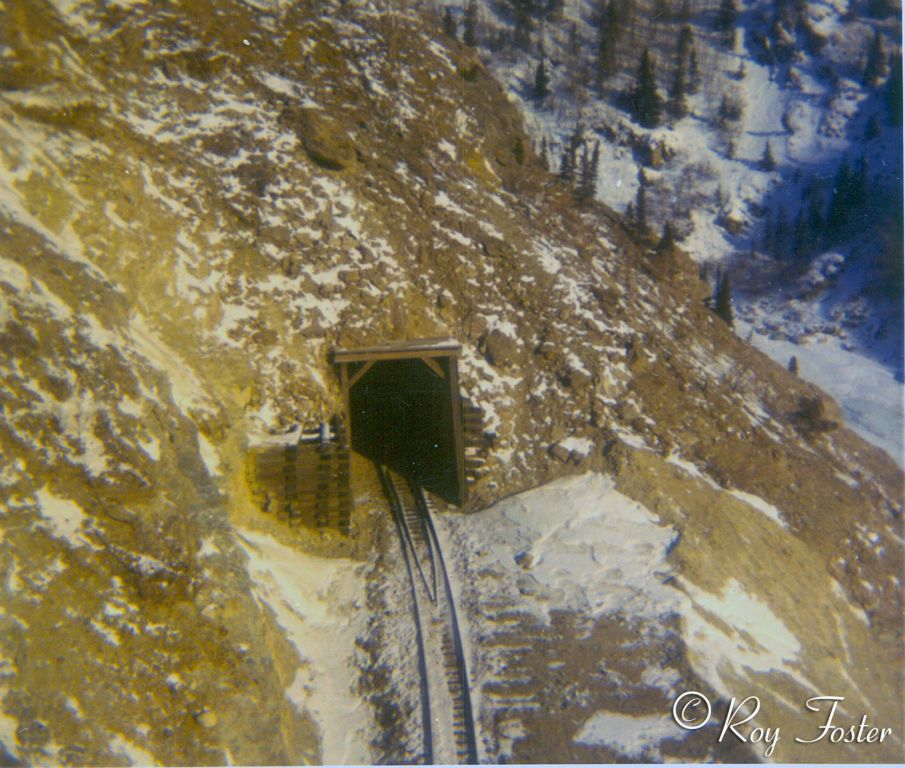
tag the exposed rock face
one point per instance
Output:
(196, 203)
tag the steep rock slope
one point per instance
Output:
(197, 202)
(812, 238)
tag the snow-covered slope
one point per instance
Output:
(583, 594)
(795, 279)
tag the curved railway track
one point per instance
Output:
(446, 713)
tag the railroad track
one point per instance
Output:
(446, 714)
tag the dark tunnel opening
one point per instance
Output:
(401, 415)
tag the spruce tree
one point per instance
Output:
(725, 19)
(604, 61)
(544, 159)
(668, 240)
(875, 67)
(449, 22)
(678, 105)
(694, 70)
(684, 44)
(587, 182)
(567, 164)
(470, 34)
(793, 365)
(722, 303)
(641, 207)
(541, 81)
(521, 16)
(768, 162)
(645, 98)
(584, 173)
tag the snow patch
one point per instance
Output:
(633, 735)
(64, 518)
(319, 603)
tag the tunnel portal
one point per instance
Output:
(403, 410)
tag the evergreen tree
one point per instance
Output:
(544, 159)
(645, 98)
(678, 104)
(522, 11)
(616, 20)
(449, 22)
(668, 240)
(768, 162)
(518, 150)
(641, 206)
(731, 110)
(584, 172)
(685, 44)
(872, 130)
(793, 365)
(725, 19)
(694, 70)
(662, 11)
(605, 57)
(587, 182)
(541, 81)
(722, 302)
(470, 33)
(567, 163)
(875, 68)
(893, 93)
(685, 12)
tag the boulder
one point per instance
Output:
(499, 349)
(324, 142)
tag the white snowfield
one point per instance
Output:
(591, 549)
(867, 391)
(319, 603)
(579, 544)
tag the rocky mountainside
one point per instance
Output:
(776, 154)
(197, 202)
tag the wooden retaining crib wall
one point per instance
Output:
(305, 483)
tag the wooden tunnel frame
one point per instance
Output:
(353, 364)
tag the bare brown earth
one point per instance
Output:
(192, 236)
